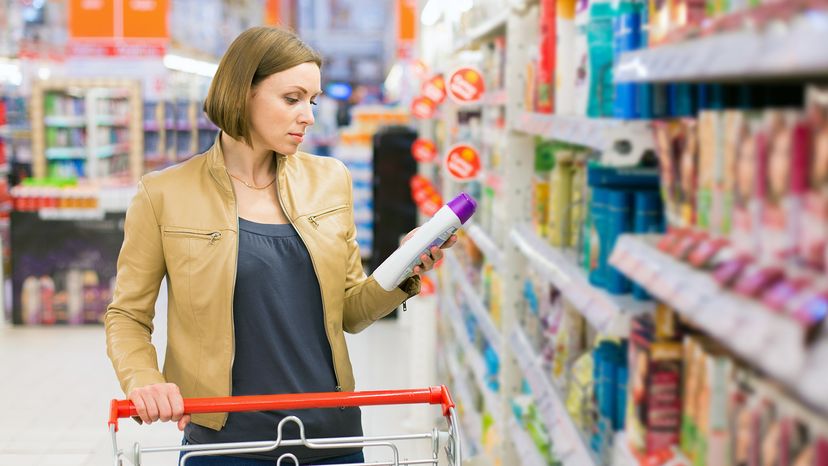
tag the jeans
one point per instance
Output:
(358, 457)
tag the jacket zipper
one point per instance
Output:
(314, 219)
(233, 297)
(313, 263)
(212, 236)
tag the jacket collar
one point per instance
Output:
(218, 170)
(215, 163)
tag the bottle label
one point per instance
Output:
(409, 269)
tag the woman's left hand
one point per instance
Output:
(436, 254)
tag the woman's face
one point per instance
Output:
(281, 108)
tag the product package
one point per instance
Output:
(546, 57)
(566, 71)
(786, 160)
(581, 58)
(560, 201)
(746, 205)
(653, 420)
(600, 40)
(814, 231)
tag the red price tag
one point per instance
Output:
(435, 89)
(463, 162)
(466, 86)
(423, 108)
(424, 150)
(427, 287)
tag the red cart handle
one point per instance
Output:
(231, 404)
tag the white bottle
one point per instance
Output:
(400, 265)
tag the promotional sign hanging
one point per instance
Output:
(463, 162)
(466, 85)
(424, 150)
(423, 108)
(435, 89)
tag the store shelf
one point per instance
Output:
(71, 214)
(65, 153)
(476, 306)
(526, 450)
(597, 133)
(473, 359)
(111, 120)
(484, 243)
(486, 31)
(569, 444)
(774, 52)
(112, 149)
(623, 456)
(606, 312)
(764, 338)
(65, 121)
(470, 420)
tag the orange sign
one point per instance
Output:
(435, 89)
(466, 85)
(104, 22)
(427, 287)
(91, 19)
(423, 107)
(424, 150)
(463, 162)
(145, 19)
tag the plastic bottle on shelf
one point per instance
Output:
(438, 230)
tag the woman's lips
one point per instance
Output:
(299, 137)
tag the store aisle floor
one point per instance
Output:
(57, 383)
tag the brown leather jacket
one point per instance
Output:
(183, 223)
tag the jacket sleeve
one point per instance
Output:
(128, 320)
(365, 300)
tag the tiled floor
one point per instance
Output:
(56, 383)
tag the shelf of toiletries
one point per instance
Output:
(473, 359)
(484, 242)
(569, 445)
(86, 128)
(487, 29)
(596, 133)
(774, 40)
(526, 450)
(605, 312)
(475, 304)
(471, 422)
(770, 326)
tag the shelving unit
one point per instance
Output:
(765, 338)
(97, 136)
(483, 32)
(597, 133)
(484, 243)
(605, 312)
(476, 306)
(570, 446)
(773, 52)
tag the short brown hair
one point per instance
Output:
(253, 56)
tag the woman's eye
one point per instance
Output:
(313, 102)
(291, 100)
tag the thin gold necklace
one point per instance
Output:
(253, 186)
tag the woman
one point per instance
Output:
(258, 245)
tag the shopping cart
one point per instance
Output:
(449, 438)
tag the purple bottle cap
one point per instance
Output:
(463, 206)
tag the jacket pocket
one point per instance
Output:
(211, 236)
(316, 217)
(196, 262)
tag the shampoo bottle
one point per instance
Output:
(400, 265)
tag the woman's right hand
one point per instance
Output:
(161, 401)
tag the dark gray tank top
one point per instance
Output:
(281, 345)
